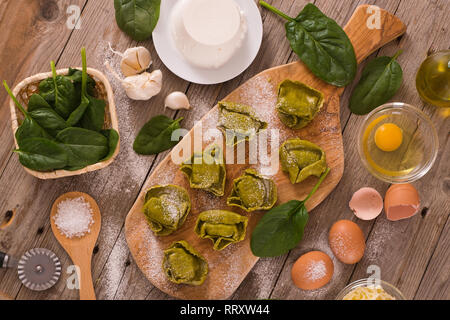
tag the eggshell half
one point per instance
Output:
(366, 203)
(347, 241)
(312, 270)
(401, 202)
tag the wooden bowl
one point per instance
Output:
(30, 85)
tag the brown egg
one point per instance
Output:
(312, 270)
(401, 202)
(347, 241)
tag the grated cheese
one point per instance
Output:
(368, 293)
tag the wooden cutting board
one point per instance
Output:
(229, 267)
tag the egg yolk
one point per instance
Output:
(388, 137)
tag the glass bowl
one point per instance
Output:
(389, 288)
(417, 152)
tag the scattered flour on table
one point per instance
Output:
(114, 269)
(379, 240)
(74, 217)
(136, 166)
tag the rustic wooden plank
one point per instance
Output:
(33, 33)
(436, 282)
(403, 249)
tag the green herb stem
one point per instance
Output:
(84, 71)
(52, 65)
(399, 52)
(317, 185)
(275, 10)
(21, 108)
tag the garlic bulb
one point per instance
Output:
(134, 60)
(141, 86)
(177, 100)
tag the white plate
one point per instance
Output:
(174, 60)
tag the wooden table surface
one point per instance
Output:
(414, 254)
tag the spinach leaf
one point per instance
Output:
(78, 113)
(42, 154)
(84, 146)
(380, 80)
(64, 93)
(76, 76)
(29, 127)
(156, 135)
(37, 102)
(113, 140)
(47, 90)
(49, 119)
(94, 117)
(90, 114)
(321, 44)
(137, 18)
(281, 228)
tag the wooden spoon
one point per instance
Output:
(80, 249)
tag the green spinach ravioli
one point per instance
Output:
(301, 159)
(222, 227)
(166, 208)
(297, 103)
(253, 192)
(206, 170)
(183, 264)
(238, 122)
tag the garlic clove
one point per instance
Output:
(143, 86)
(177, 100)
(135, 60)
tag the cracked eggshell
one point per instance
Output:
(177, 100)
(135, 60)
(401, 202)
(366, 203)
(143, 86)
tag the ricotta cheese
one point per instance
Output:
(208, 32)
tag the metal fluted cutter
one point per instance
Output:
(38, 269)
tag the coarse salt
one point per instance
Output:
(74, 217)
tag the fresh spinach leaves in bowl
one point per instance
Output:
(62, 125)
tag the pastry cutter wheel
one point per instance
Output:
(39, 269)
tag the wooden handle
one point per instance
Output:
(81, 257)
(87, 291)
(370, 28)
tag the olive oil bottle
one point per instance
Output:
(433, 79)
